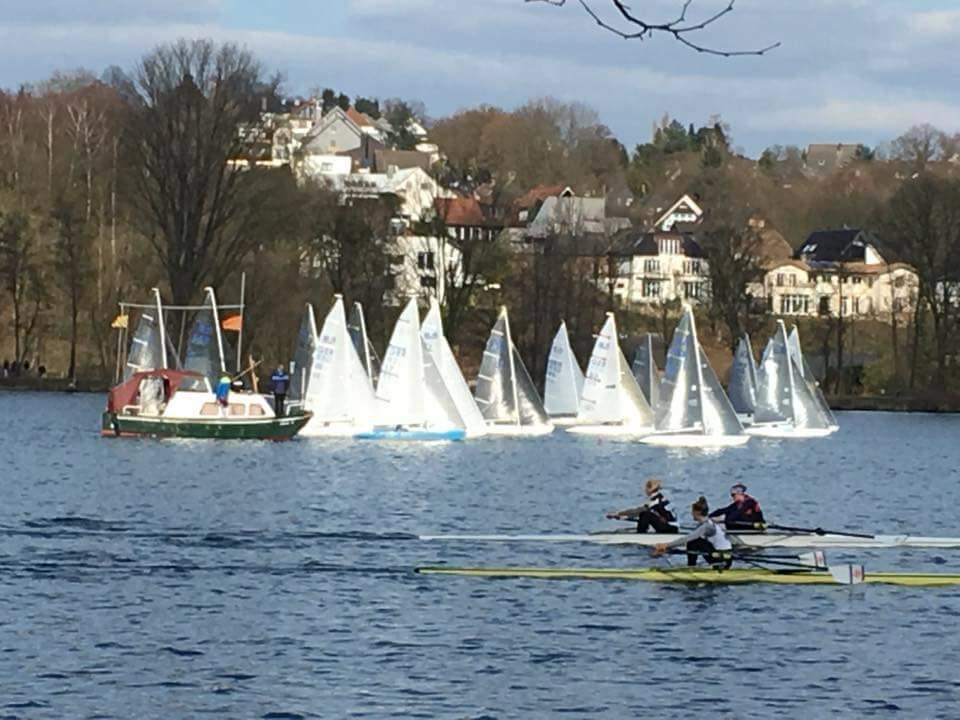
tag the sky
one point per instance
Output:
(859, 71)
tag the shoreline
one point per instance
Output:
(862, 403)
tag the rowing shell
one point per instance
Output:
(756, 541)
(736, 576)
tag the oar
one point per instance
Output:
(818, 531)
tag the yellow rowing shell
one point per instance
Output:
(735, 576)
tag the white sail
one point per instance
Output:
(505, 393)
(742, 386)
(454, 383)
(693, 401)
(411, 392)
(774, 381)
(564, 378)
(610, 392)
(303, 357)
(338, 392)
(793, 341)
(644, 368)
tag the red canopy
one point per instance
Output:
(125, 393)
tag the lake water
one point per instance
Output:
(182, 579)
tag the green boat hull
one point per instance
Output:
(284, 428)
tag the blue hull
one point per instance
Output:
(420, 435)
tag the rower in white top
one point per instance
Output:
(709, 539)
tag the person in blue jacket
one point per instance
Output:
(223, 390)
(281, 381)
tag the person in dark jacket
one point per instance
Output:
(653, 514)
(281, 381)
(743, 513)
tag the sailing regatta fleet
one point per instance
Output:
(339, 387)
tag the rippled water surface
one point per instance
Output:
(175, 579)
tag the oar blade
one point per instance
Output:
(847, 574)
(816, 559)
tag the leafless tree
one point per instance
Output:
(627, 24)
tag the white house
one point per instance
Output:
(657, 267)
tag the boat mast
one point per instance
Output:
(162, 326)
(367, 365)
(243, 287)
(216, 325)
(571, 359)
(513, 368)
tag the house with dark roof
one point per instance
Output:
(658, 266)
(840, 273)
(826, 159)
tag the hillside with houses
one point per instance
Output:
(540, 208)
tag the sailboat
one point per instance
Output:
(612, 402)
(336, 388)
(786, 406)
(357, 326)
(302, 360)
(793, 342)
(694, 411)
(505, 393)
(413, 402)
(564, 380)
(442, 356)
(644, 368)
(742, 385)
(158, 399)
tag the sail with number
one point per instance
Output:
(793, 341)
(611, 395)
(411, 392)
(338, 391)
(204, 354)
(453, 381)
(742, 386)
(564, 378)
(644, 368)
(692, 399)
(505, 393)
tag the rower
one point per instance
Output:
(743, 513)
(653, 514)
(709, 540)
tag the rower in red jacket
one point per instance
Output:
(743, 513)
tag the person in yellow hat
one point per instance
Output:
(654, 514)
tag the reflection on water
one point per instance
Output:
(169, 579)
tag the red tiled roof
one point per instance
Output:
(537, 194)
(459, 211)
(358, 117)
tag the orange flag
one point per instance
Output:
(233, 323)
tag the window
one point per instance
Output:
(781, 278)
(898, 282)
(651, 266)
(651, 288)
(794, 305)
(428, 281)
(209, 409)
(857, 279)
(236, 410)
(425, 260)
(843, 306)
(793, 280)
(825, 305)
(256, 411)
(691, 290)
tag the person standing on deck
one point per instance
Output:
(709, 539)
(743, 513)
(223, 390)
(653, 514)
(280, 381)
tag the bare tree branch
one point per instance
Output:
(680, 27)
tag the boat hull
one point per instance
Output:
(786, 431)
(513, 430)
(752, 541)
(698, 576)
(283, 428)
(611, 430)
(695, 440)
(563, 420)
(319, 429)
(413, 435)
